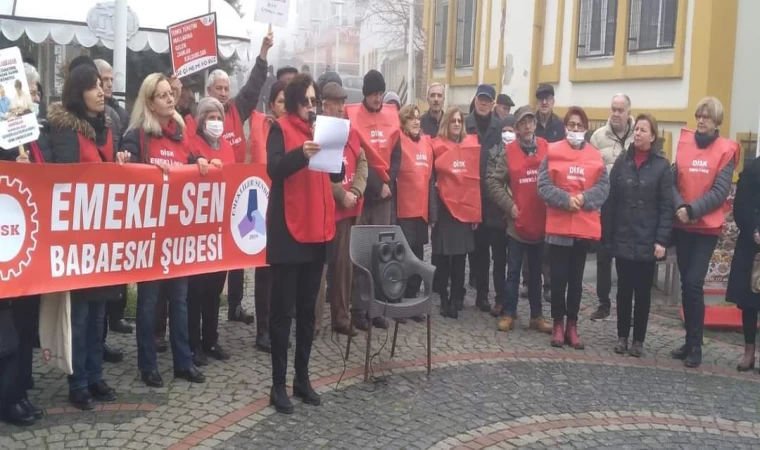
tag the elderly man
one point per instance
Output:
(431, 120)
(504, 105)
(611, 140)
(106, 77)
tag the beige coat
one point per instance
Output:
(609, 145)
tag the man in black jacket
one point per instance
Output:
(431, 120)
(487, 126)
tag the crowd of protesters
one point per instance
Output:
(528, 191)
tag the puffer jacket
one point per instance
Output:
(611, 145)
(640, 206)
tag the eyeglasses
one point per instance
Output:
(414, 119)
(547, 99)
(575, 126)
(456, 120)
(704, 117)
(308, 101)
(164, 96)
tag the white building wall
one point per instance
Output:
(745, 101)
(518, 46)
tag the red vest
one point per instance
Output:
(164, 150)
(259, 133)
(200, 148)
(309, 204)
(523, 182)
(457, 167)
(233, 130)
(379, 130)
(413, 182)
(90, 152)
(696, 170)
(350, 158)
(574, 171)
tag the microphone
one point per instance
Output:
(312, 118)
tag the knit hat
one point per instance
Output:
(328, 77)
(373, 83)
(206, 106)
(392, 97)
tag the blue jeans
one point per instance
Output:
(86, 342)
(515, 252)
(147, 296)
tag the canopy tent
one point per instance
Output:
(67, 21)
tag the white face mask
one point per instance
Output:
(508, 137)
(576, 138)
(214, 128)
(36, 109)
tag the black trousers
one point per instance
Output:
(749, 325)
(415, 281)
(114, 311)
(235, 287)
(439, 282)
(634, 283)
(293, 285)
(262, 292)
(452, 269)
(567, 265)
(497, 239)
(604, 276)
(8, 376)
(480, 262)
(203, 299)
(693, 252)
(26, 313)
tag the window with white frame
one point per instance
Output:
(652, 24)
(466, 16)
(440, 32)
(597, 22)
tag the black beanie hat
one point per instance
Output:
(373, 83)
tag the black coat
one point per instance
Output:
(282, 248)
(640, 206)
(487, 140)
(747, 216)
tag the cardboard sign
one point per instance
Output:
(274, 12)
(72, 226)
(18, 112)
(193, 45)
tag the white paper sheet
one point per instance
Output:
(331, 134)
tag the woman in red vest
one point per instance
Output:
(79, 131)
(156, 136)
(574, 184)
(413, 187)
(703, 175)
(301, 227)
(456, 206)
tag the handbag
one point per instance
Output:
(755, 280)
(55, 330)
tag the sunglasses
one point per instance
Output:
(456, 120)
(308, 101)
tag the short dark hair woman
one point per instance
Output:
(301, 226)
(641, 214)
(79, 131)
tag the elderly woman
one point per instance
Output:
(574, 184)
(456, 208)
(299, 240)
(205, 290)
(640, 223)
(156, 136)
(703, 172)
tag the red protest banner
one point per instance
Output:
(85, 225)
(193, 45)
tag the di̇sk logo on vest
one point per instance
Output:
(249, 211)
(232, 138)
(18, 228)
(577, 173)
(531, 177)
(421, 160)
(699, 166)
(168, 157)
(459, 166)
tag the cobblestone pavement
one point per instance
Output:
(487, 390)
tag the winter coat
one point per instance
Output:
(747, 216)
(487, 140)
(611, 145)
(640, 206)
(554, 131)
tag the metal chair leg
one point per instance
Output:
(369, 349)
(429, 344)
(348, 341)
(395, 335)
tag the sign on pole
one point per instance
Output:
(273, 12)
(193, 45)
(18, 117)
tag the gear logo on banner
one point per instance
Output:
(18, 228)
(249, 211)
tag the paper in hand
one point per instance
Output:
(331, 134)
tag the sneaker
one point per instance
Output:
(602, 313)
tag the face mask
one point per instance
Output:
(508, 137)
(576, 138)
(214, 128)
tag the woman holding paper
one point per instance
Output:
(156, 136)
(301, 226)
(456, 210)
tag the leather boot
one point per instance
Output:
(278, 397)
(571, 335)
(302, 389)
(445, 304)
(748, 362)
(454, 308)
(558, 334)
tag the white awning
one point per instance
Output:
(66, 21)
